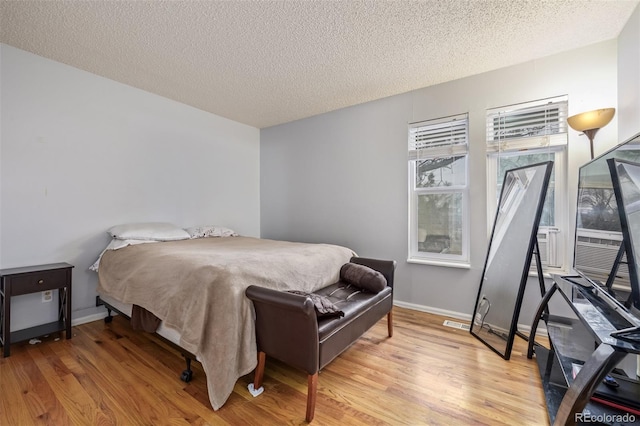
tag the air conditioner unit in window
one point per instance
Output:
(548, 244)
(596, 251)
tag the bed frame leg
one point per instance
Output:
(390, 323)
(108, 318)
(187, 374)
(312, 390)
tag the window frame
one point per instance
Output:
(555, 144)
(438, 151)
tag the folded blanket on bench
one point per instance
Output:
(324, 307)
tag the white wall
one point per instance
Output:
(341, 177)
(80, 153)
(629, 77)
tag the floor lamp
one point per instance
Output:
(590, 122)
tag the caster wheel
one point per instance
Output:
(186, 376)
(107, 320)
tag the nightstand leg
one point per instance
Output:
(6, 319)
(64, 311)
(67, 309)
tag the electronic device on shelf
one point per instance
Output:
(626, 185)
(602, 255)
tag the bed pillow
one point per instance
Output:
(363, 277)
(204, 231)
(148, 231)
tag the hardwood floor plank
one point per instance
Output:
(105, 386)
(15, 408)
(72, 396)
(158, 393)
(30, 379)
(425, 374)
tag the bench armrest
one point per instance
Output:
(286, 327)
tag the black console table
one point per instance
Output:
(582, 353)
(33, 279)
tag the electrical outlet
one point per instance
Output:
(47, 296)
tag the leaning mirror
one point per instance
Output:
(509, 255)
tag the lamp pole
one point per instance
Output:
(590, 133)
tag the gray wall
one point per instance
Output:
(629, 77)
(80, 153)
(341, 177)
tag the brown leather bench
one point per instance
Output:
(288, 328)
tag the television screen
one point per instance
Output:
(599, 250)
(626, 184)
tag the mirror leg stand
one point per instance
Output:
(543, 291)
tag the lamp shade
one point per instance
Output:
(589, 120)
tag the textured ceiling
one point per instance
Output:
(269, 62)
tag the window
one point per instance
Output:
(519, 135)
(438, 196)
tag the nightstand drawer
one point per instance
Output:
(38, 281)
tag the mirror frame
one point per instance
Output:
(532, 228)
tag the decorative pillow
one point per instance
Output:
(204, 231)
(149, 231)
(323, 306)
(363, 277)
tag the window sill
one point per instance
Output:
(549, 273)
(459, 265)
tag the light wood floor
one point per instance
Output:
(425, 374)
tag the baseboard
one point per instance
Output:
(524, 328)
(99, 312)
(432, 310)
(84, 316)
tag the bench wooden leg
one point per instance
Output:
(390, 323)
(257, 379)
(312, 390)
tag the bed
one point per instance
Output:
(196, 287)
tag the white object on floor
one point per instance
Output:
(255, 392)
(34, 341)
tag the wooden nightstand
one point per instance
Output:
(34, 279)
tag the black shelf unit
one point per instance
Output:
(583, 343)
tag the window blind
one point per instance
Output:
(434, 138)
(534, 124)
